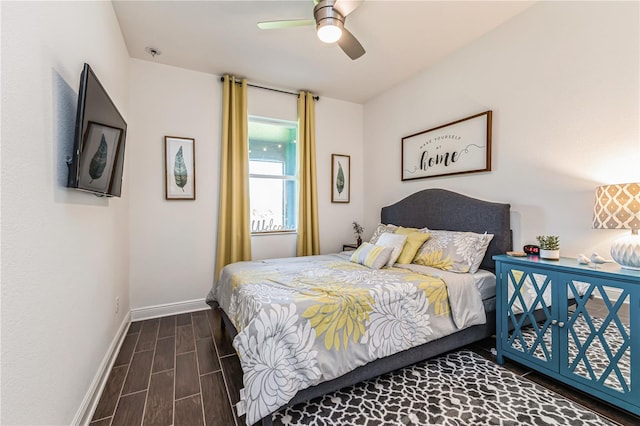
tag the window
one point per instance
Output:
(273, 175)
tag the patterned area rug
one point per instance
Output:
(460, 388)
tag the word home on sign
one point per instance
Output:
(463, 146)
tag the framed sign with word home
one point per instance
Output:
(462, 146)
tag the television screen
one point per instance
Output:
(98, 154)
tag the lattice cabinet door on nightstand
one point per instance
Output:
(573, 323)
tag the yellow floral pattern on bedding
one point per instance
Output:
(339, 310)
(453, 251)
(302, 321)
(435, 259)
(437, 295)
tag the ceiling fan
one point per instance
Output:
(330, 16)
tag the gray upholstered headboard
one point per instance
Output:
(446, 210)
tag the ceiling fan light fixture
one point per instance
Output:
(329, 21)
(329, 17)
(329, 32)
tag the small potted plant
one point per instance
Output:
(358, 230)
(549, 246)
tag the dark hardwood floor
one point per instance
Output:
(172, 370)
(182, 370)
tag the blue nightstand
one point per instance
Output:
(573, 323)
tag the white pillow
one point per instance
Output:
(395, 241)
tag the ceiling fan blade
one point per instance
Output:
(350, 45)
(271, 25)
(345, 7)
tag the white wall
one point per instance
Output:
(339, 131)
(562, 80)
(65, 254)
(173, 242)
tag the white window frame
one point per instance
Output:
(283, 178)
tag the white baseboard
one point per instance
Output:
(168, 309)
(91, 398)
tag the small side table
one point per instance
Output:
(349, 247)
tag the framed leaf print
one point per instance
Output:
(101, 142)
(340, 178)
(180, 168)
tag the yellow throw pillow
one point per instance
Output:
(415, 239)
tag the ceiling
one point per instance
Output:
(401, 38)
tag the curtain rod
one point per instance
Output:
(315, 98)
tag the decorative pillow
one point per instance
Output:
(482, 250)
(382, 229)
(396, 242)
(372, 256)
(415, 239)
(454, 251)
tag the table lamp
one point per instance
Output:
(618, 207)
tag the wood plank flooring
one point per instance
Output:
(174, 370)
(182, 370)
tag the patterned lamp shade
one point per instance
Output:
(618, 207)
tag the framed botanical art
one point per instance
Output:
(180, 168)
(340, 178)
(96, 168)
(462, 146)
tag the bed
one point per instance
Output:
(433, 209)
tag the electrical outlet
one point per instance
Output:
(117, 305)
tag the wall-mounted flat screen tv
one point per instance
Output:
(98, 152)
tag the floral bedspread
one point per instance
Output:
(302, 321)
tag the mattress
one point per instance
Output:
(485, 282)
